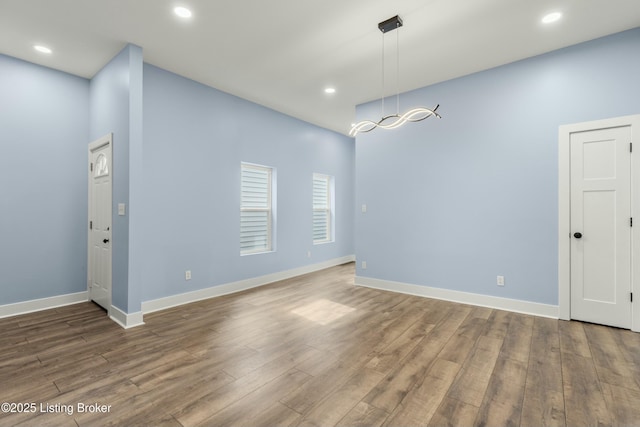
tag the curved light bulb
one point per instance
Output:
(414, 115)
(551, 17)
(42, 49)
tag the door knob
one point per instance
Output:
(105, 241)
(577, 235)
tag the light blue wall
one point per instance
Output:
(195, 139)
(43, 182)
(116, 106)
(136, 178)
(453, 203)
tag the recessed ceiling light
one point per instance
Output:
(330, 90)
(182, 12)
(42, 49)
(551, 17)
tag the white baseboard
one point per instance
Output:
(125, 320)
(241, 285)
(31, 306)
(518, 306)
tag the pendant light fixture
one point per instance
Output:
(393, 121)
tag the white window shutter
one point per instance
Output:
(321, 208)
(255, 209)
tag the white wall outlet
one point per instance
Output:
(187, 275)
(308, 254)
(500, 280)
(364, 208)
(364, 265)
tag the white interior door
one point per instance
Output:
(600, 226)
(100, 187)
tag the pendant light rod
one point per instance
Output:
(382, 112)
(391, 24)
(397, 72)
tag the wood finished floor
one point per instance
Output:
(317, 351)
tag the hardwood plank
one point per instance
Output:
(502, 404)
(72, 380)
(473, 379)
(241, 368)
(543, 403)
(407, 413)
(584, 400)
(316, 389)
(319, 363)
(497, 324)
(188, 366)
(364, 415)
(249, 409)
(517, 341)
(458, 347)
(544, 339)
(422, 402)
(47, 419)
(629, 346)
(146, 404)
(573, 339)
(212, 403)
(623, 404)
(384, 360)
(338, 404)
(17, 364)
(453, 413)
(276, 415)
(25, 391)
(611, 365)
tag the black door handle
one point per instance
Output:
(105, 241)
(577, 235)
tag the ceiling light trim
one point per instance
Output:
(182, 12)
(42, 49)
(552, 17)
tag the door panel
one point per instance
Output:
(100, 196)
(600, 212)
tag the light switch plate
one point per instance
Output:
(121, 209)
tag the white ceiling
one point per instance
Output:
(283, 53)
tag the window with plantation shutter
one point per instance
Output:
(255, 209)
(322, 209)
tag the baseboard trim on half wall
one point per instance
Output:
(40, 304)
(518, 306)
(126, 320)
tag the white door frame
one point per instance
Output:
(107, 139)
(564, 215)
